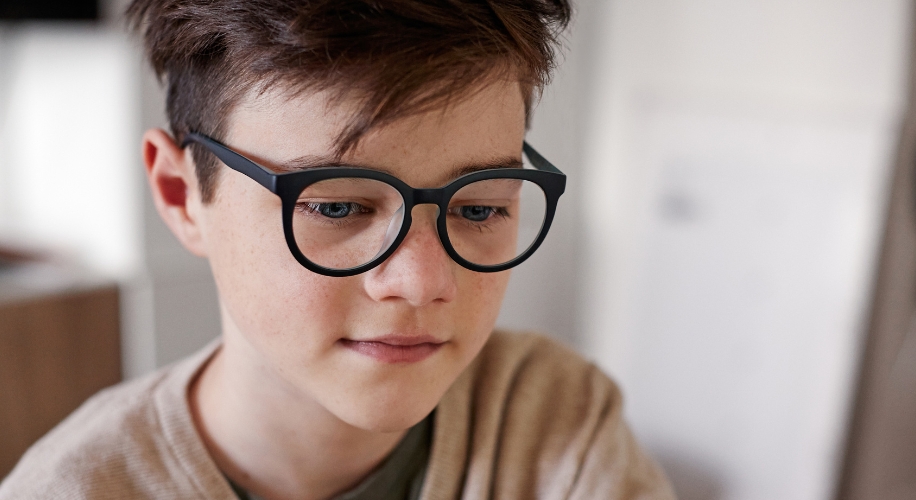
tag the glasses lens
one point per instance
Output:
(493, 221)
(346, 222)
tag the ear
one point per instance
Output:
(173, 183)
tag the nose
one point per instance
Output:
(419, 271)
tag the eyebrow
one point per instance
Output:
(309, 162)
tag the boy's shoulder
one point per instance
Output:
(532, 418)
(521, 352)
(534, 371)
(121, 443)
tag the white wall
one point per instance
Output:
(733, 182)
(67, 101)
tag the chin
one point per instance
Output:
(390, 420)
(386, 413)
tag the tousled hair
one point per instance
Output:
(394, 57)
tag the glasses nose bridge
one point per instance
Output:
(427, 196)
(432, 196)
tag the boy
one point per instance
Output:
(352, 169)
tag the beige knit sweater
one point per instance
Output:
(528, 419)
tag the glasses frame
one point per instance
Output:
(288, 186)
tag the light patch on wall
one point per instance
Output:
(749, 293)
(69, 136)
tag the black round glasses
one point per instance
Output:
(342, 221)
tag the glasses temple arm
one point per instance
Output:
(538, 161)
(235, 161)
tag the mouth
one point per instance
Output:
(395, 348)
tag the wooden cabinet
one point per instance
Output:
(57, 348)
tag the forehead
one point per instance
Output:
(481, 127)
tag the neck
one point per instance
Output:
(273, 440)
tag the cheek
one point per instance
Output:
(262, 288)
(480, 298)
(487, 290)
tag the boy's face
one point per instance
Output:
(335, 340)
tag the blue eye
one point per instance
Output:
(335, 210)
(476, 213)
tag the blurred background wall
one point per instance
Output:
(728, 167)
(735, 170)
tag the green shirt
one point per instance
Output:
(399, 477)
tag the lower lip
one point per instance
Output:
(388, 353)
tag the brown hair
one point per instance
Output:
(394, 56)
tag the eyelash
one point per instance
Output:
(485, 224)
(311, 208)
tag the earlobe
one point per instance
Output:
(173, 184)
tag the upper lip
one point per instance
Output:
(402, 340)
